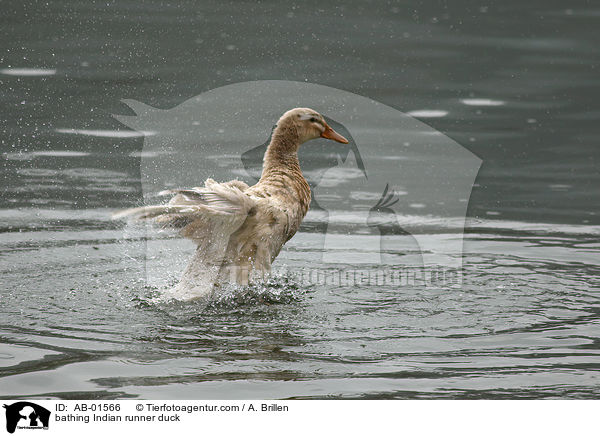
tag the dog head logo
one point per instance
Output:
(27, 415)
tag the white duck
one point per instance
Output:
(240, 229)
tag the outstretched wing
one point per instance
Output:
(208, 216)
(199, 213)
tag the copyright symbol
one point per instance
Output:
(139, 407)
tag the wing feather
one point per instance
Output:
(199, 212)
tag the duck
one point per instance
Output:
(239, 229)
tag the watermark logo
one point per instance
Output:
(394, 197)
(26, 415)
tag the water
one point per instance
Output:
(78, 319)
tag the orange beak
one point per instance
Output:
(329, 133)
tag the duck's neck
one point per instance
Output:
(281, 174)
(282, 152)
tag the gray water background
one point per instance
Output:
(78, 321)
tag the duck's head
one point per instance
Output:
(309, 125)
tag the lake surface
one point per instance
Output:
(515, 84)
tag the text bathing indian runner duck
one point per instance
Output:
(239, 229)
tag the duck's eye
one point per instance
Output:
(313, 120)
